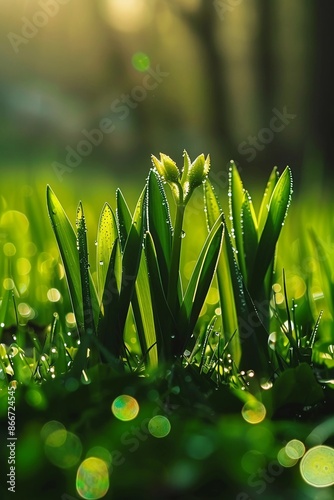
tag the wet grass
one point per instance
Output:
(173, 301)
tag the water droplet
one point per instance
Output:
(183, 234)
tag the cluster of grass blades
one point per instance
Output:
(136, 313)
(138, 282)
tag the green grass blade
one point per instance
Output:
(143, 314)
(141, 298)
(131, 259)
(325, 269)
(159, 224)
(236, 198)
(249, 346)
(123, 216)
(67, 243)
(250, 238)
(263, 213)
(84, 271)
(225, 286)
(3, 308)
(278, 207)
(200, 282)
(106, 238)
(164, 323)
(109, 331)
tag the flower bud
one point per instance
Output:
(198, 171)
(166, 168)
(195, 174)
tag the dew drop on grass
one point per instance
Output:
(92, 481)
(272, 341)
(183, 234)
(85, 379)
(266, 385)
(125, 408)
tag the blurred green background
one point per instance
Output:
(162, 75)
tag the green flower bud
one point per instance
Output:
(198, 171)
(194, 174)
(166, 168)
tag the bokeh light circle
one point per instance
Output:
(61, 447)
(295, 449)
(284, 459)
(159, 426)
(140, 61)
(199, 447)
(317, 466)
(125, 408)
(92, 480)
(253, 412)
(101, 453)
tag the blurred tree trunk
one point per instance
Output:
(266, 71)
(202, 22)
(323, 82)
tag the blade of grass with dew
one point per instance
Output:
(123, 217)
(4, 308)
(277, 211)
(199, 284)
(163, 318)
(227, 298)
(67, 244)
(5, 366)
(263, 213)
(109, 333)
(143, 314)
(55, 349)
(84, 272)
(131, 258)
(249, 347)
(236, 197)
(20, 365)
(116, 307)
(323, 259)
(325, 268)
(159, 224)
(141, 298)
(81, 359)
(106, 238)
(250, 235)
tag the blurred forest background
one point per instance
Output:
(249, 80)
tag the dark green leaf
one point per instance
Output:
(200, 282)
(278, 206)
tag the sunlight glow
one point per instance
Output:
(127, 15)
